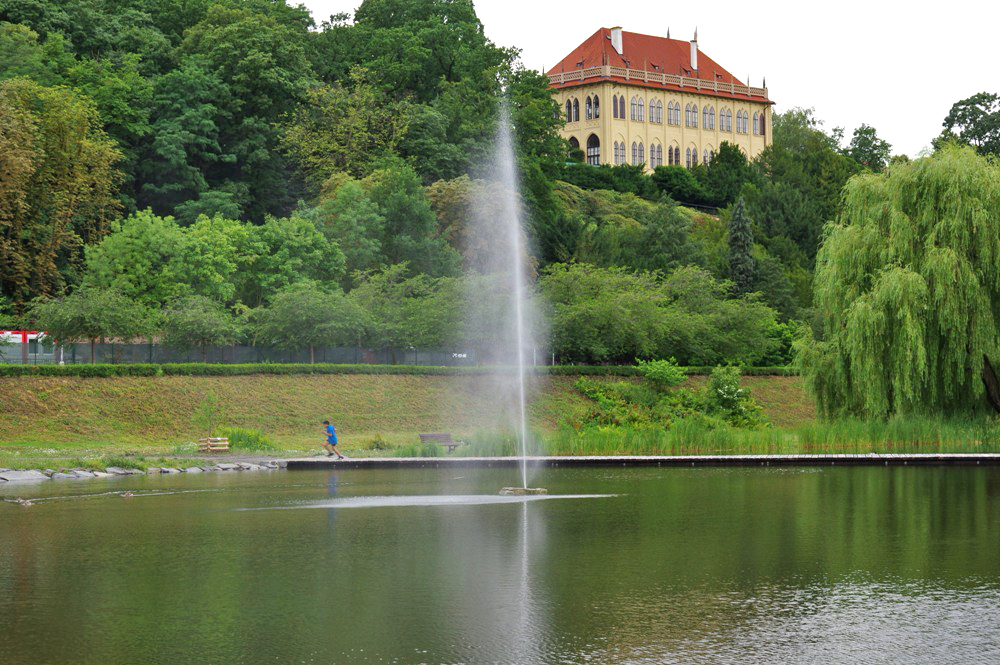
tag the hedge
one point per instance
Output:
(214, 369)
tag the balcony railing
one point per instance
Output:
(607, 71)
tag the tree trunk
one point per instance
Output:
(992, 384)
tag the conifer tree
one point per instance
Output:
(908, 287)
(740, 245)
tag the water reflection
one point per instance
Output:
(670, 566)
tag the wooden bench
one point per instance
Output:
(213, 445)
(442, 439)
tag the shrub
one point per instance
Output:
(420, 450)
(246, 439)
(662, 374)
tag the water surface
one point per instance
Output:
(838, 565)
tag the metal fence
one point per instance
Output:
(34, 353)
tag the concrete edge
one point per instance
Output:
(922, 459)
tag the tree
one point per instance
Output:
(679, 184)
(343, 129)
(198, 322)
(741, 269)
(89, 314)
(908, 289)
(724, 176)
(868, 150)
(304, 315)
(976, 121)
(410, 234)
(418, 311)
(353, 222)
(57, 190)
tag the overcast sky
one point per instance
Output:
(898, 66)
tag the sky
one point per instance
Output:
(897, 66)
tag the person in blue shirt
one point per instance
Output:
(331, 441)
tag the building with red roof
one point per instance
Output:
(628, 98)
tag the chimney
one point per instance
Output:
(694, 51)
(616, 38)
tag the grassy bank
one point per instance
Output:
(65, 417)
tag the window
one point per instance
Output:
(694, 157)
(614, 107)
(763, 125)
(635, 152)
(642, 155)
(704, 117)
(670, 113)
(688, 157)
(642, 111)
(725, 120)
(756, 124)
(597, 107)
(569, 111)
(707, 157)
(594, 150)
(621, 107)
(576, 110)
(659, 112)
(677, 115)
(687, 115)
(656, 156)
(711, 118)
(635, 113)
(590, 109)
(619, 151)
(694, 116)
(574, 147)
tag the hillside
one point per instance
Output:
(155, 413)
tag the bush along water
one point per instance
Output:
(655, 416)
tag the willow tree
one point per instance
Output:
(908, 284)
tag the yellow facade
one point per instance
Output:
(649, 134)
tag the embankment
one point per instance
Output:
(157, 412)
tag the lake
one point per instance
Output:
(701, 565)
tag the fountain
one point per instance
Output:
(500, 254)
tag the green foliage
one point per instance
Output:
(89, 314)
(208, 415)
(420, 450)
(303, 315)
(243, 439)
(343, 129)
(405, 311)
(679, 184)
(626, 178)
(198, 322)
(906, 286)
(655, 405)
(741, 268)
(608, 314)
(976, 121)
(868, 150)
(662, 374)
(56, 193)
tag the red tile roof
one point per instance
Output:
(657, 55)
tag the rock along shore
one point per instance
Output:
(35, 475)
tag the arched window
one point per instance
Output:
(642, 155)
(590, 108)
(614, 107)
(707, 157)
(704, 117)
(659, 155)
(569, 111)
(694, 116)
(621, 107)
(687, 154)
(687, 115)
(635, 152)
(574, 147)
(763, 125)
(593, 150)
(694, 157)
(711, 118)
(670, 113)
(576, 110)
(635, 113)
(642, 112)
(597, 107)
(756, 124)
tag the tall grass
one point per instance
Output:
(691, 437)
(246, 439)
